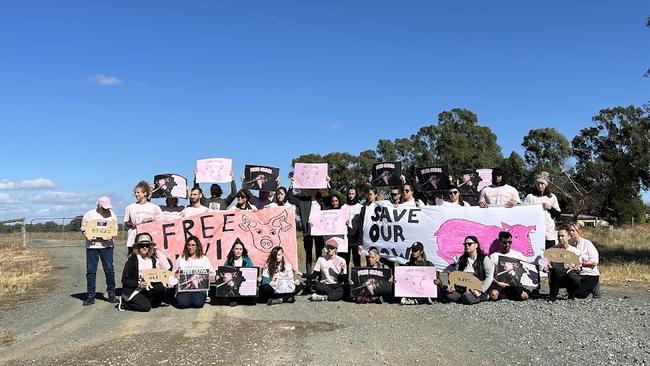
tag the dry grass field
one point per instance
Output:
(20, 269)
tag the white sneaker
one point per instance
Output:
(119, 305)
(316, 297)
(403, 301)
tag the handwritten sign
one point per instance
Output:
(310, 175)
(99, 229)
(329, 222)
(564, 256)
(415, 281)
(214, 170)
(465, 279)
(151, 276)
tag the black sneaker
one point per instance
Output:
(89, 301)
(112, 299)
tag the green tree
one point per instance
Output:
(613, 158)
(518, 175)
(546, 149)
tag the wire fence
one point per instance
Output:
(49, 228)
(13, 233)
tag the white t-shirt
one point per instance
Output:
(353, 210)
(171, 213)
(286, 205)
(499, 196)
(191, 211)
(93, 215)
(330, 269)
(144, 264)
(455, 204)
(136, 212)
(587, 250)
(550, 223)
(494, 257)
(281, 282)
(413, 202)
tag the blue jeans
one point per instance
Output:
(92, 258)
(186, 300)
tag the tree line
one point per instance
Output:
(601, 171)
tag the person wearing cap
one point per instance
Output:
(99, 248)
(140, 212)
(330, 272)
(550, 204)
(468, 187)
(501, 289)
(417, 258)
(499, 193)
(135, 294)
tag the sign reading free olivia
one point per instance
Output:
(259, 231)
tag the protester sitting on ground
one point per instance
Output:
(243, 200)
(330, 272)
(560, 276)
(140, 212)
(238, 257)
(589, 274)
(215, 202)
(135, 294)
(499, 193)
(499, 289)
(192, 258)
(277, 281)
(99, 248)
(372, 261)
(417, 258)
(195, 207)
(454, 197)
(306, 204)
(549, 202)
(473, 261)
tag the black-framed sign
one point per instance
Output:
(386, 174)
(260, 178)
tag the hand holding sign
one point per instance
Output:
(99, 229)
(151, 276)
(465, 279)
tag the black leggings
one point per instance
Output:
(587, 285)
(146, 299)
(268, 292)
(333, 292)
(559, 278)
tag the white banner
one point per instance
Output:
(442, 229)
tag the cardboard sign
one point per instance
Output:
(329, 222)
(258, 231)
(169, 185)
(386, 174)
(193, 280)
(310, 175)
(465, 279)
(214, 170)
(151, 276)
(517, 273)
(370, 282)
(564, 256)
(415, 281)
(236, 281)
(260, 178)
(432, 178)
(101, 229)
(485, 176)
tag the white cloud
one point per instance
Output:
(105, 80)
(32, 184)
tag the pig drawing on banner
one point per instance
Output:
(310, 175)
(451, 234)
(266, 235)
(386, 174)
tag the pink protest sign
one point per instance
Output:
(415, 281)
(486, 178)
(215, 170)
(310, 175)
(329, 222)
(258, 231)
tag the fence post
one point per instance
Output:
(24, 232)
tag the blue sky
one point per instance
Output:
(98, 95)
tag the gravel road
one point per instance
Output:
(56, 329)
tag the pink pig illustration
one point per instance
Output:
(266, 235)
(452, 232)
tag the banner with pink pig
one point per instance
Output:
(442, 229)
(258, 231)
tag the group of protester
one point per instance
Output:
(328, 278)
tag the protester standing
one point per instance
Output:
(549, 202)
(140, 212)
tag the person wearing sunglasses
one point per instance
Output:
(454, 198)
(408, 191)
(135, 294)
(499, 193)
(503, 289)
(550, 204)
(477, 263)
(244, 200)
(330, 272)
